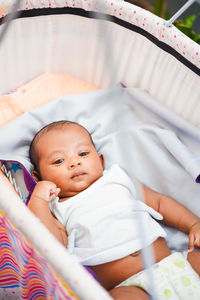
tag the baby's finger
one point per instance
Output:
(57, 191)
(191, 243)
(197, 241)
(54, 192)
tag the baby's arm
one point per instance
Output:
(44, 192)
(175, 214)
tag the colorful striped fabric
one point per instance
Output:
(24, 269)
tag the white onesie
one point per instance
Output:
(102, 221)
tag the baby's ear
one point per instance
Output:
(36, 175)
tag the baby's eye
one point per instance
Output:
(58, 161)
(83, 153)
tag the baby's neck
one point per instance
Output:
(64, 199)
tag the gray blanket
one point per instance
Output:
(152, 144)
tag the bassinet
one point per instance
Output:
(103, 43)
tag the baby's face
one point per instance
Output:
(68, 158)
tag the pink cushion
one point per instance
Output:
(39, 91)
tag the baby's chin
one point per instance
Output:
(79, 186)
(72, 193)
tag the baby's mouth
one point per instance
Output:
(77, 174)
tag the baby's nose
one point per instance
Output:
(74, 162)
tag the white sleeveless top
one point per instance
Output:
(103, 221)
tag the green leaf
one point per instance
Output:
(197, 38)
(167, 15)
(190, 20)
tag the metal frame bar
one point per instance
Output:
(179, 12)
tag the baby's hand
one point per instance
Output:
(45, 190)
(194, 236)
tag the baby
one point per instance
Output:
(95, 214)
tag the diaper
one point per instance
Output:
(174, 279)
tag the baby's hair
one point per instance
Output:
(32, 150)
